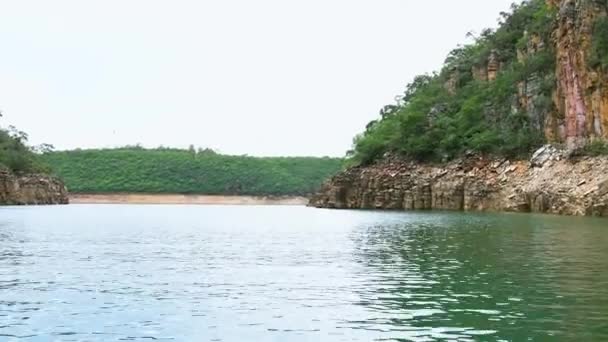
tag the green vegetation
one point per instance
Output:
(595, 148)
(163, 170)
(599, 43)
(443, 115)
(16, 155)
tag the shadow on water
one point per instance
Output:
(489, 277)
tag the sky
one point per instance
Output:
(263, 77)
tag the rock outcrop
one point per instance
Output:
(566, 103)
(582, 93)
(31, 190)
(529, 91)
(579, 97)
(493, 66)
(551, 184)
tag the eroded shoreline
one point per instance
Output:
(549, 183)
(184, 199)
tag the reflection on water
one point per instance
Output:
(189, 273)
(510, 277)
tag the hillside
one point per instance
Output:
(16, 156)
(539, 78)
(138, 170)
(461, 138)
(24, 176)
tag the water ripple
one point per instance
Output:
(182, 273)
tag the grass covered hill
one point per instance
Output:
(163, 170)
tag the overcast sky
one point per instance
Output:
(263, 77)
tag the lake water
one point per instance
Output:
(213, 273)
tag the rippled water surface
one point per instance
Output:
(213, 273)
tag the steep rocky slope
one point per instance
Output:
(550, 183)
(579, 84)
(581, 94)
(31, 189)
(551, 86)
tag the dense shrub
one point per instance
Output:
(166, 170)
(16, 156)
(595, 148)
(599, 44)
(434, 121)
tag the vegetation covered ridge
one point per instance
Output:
(24, 177)
(16, 156)
(506, 93)
(167, 170)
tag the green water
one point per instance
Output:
(215, 273)
(520, 277)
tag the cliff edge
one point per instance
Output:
(31, 189)
(548, 183)
(540, 78)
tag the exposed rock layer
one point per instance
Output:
(579, 110)
(31, 189)
(581, 96)
(555, 185)
(549, 183)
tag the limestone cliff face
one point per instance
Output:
(31, 189)
(493, 66)
(580, 91)
(529, 93)
(489, 70)
(567, 106)
(581, 96)
(548, 184)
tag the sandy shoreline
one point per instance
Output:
(183, 199)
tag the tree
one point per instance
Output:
(43, 148)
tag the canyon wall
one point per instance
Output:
(581, 96)
(567, 105)
(31, 190)
(549, 183)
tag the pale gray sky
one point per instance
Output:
(263, 77)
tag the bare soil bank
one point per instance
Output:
(183, 199)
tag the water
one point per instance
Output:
(213, 273)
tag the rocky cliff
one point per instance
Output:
(581, 94)
(578, 108)
(549, 183)
(31, 189)
(541, 77)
